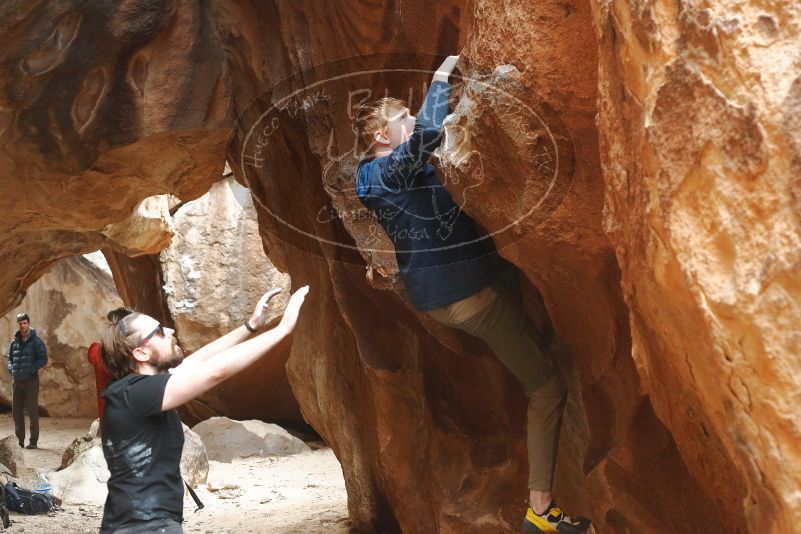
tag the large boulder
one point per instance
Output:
(12, 457)
(67, 307)
(217, 240)
(640, 271)
(699, 119)
(226, 439)
(80, 444)
(84, 480)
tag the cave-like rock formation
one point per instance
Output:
(102, 106)
(639, 163)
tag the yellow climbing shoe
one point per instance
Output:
(554, 520)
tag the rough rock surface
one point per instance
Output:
(555, 235)
(699, 122)
(662, 265)
(67, 307)
(11, 455)
(215, 269)
(84, 480)
(139, 280)
(213, 274)
(194, 459)
(226, 439)
(80, 444)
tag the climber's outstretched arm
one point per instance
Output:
(407, 159)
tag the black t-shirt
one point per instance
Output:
(142, 446)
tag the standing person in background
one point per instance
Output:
(102, 375)
(26, 355)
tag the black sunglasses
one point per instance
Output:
(158, 330)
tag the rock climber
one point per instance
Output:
(451, 272)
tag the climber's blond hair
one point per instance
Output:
(371, 118)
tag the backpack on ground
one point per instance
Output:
(26, 501)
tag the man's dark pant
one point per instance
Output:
(25, 398)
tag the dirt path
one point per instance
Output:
(304, 493)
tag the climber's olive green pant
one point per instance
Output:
(496, 316)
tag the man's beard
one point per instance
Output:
(173, 359)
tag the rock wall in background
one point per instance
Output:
(214, 272)
(636, 163)
(215, 269)
(67, 307)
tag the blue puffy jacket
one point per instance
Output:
(25, 358)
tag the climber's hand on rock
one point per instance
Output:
(446, 69)
(262, 312)
(290, 318)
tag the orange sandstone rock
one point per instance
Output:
(639, 163)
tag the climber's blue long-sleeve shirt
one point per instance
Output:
(441, 256)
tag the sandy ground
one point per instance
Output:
(304, 493)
